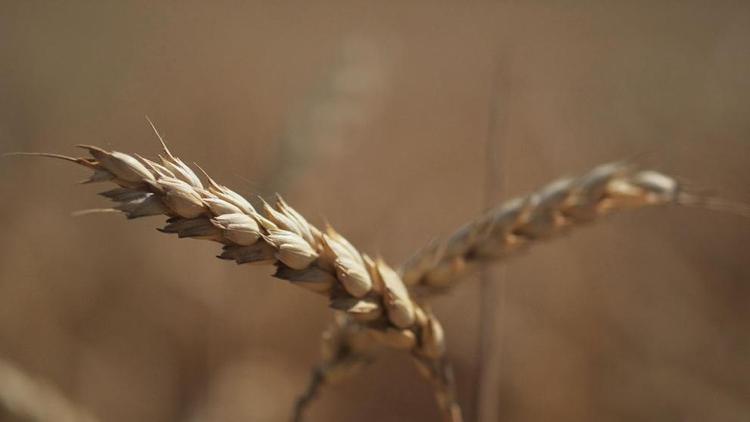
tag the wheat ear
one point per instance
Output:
(521, 222)
(366, 290)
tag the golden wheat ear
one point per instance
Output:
(368, 293)
(561, 205)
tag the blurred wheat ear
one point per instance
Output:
(375, 306)
(519, 223)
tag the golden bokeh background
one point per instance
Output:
(374, 116)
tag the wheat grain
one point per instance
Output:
(519, 223)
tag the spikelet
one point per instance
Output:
(292, 249)
(398, 304)
(238, 228)
(349, 265)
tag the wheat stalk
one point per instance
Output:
(369, 293)
(511, 227)
(346, 349)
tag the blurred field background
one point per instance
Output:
(373, 115)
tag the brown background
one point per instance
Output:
(373, 115)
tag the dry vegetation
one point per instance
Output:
(374, 117)
(376, 304)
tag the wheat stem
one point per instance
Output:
(493, 184)
(345, 348)
(310, 393)
(440, 373)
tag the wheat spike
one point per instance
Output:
(372, 296)
(520, 222)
